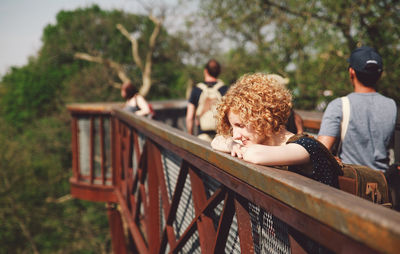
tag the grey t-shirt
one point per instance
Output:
(371, 125)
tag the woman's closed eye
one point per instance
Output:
(239, 125)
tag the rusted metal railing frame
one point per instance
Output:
(349, 219)
(212, 242)
(75, 149)
(208, 239)
(127, 184)
(368, 225)
(89, 190)
(75, 146)
(293, 215)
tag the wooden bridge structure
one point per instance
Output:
(169, 192)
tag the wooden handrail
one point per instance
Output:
(311, 119)
(354, 217)
(335, 219)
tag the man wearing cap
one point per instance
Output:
(372, 116)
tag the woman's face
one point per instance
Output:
(243, 132)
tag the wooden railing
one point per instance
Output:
(173, 193)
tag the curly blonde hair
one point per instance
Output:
(260, 101)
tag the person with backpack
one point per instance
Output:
(364, 120)
(203, 100)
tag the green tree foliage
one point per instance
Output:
(33, 178)
(30, 92)
(309, 41)
(35, 137)
(94, 31)
(54, 77)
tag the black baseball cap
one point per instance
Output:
(366, 60)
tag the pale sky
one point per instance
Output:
(22, 23)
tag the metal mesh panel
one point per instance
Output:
(142, 140)
(192, 245)
(171, 164)
(185, 212)
(162, 217)
(135, 164)
(107, 148)
(135, 159)
(84, 146)
(232, 243)
(270, 235)
(97, 150)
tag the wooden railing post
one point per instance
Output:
(116, 229)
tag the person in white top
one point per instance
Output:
(135, 103)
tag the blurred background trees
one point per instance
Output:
(307, 41)
(37, 215)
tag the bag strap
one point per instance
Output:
(216, 87)
(202, 86)
(397, 139)
(345, 117)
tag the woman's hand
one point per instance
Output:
(228, 145)
(247, 153)
(238, 150)
(222, 144)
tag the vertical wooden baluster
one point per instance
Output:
(91, 175)
(114, 150)
(141, 213)
(117, 154)
(295, 246)
(135, 201)
(176, 197)
(207, 208)
(225, 223)
(136, 149)
(124, 161)
(153, 214)
(116, 229)
(102, 152)
(163, 189)
(128, 163)
(205, 224)
(134, 228)
(244, 225)
(75, 148)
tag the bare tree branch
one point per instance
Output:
(145, 69)
(146, 77)
(113, 65)
(135, 49)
